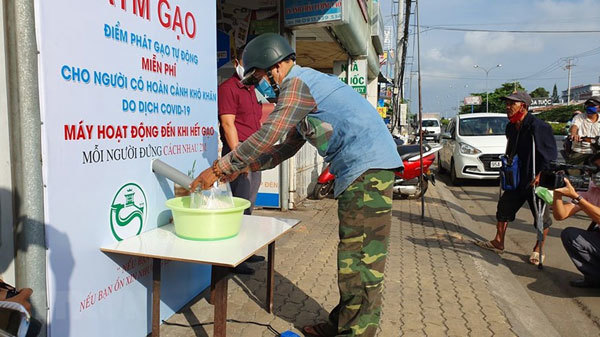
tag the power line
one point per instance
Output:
(565, 20)
(558, 64)
(427, 28)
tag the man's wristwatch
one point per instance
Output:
(577, 200)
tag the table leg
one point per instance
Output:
(156, 297)
(270, 277)
(218, 297)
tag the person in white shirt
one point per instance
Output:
(584, 125)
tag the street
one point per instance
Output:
(572, 311)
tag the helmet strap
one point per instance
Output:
(272, 82)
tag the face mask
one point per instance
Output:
(516, 117)
(591, 110)
(265, 89)
(239, 70)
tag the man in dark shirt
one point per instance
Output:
(522, 131)
(240, 114)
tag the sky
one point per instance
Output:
(535, 60)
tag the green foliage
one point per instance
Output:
(554, 94)
(539, 92)
(445, 121)
(495, 102)
(561, 114)
(559, 128)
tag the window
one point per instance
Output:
(430, 123)
(482, 126)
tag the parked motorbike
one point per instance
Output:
(407, 184)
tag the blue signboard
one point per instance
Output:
(301, 12)
(223, 50)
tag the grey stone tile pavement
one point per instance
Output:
(435, 283)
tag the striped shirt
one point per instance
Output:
(261, 151)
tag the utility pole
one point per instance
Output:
(421, 177)
(568, 67)
(398, 61)
(487, 72)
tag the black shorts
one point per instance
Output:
(511, 201)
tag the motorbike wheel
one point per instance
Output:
(322, 190)
(453, 178)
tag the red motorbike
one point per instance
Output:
(407, 184)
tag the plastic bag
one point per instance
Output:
(217, 197)
(545, 194)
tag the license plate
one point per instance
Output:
(495, 164)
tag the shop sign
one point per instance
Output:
(121, 83)
(357, 76)
(223, 48)
(303, 12)
(387, 37)
(472, 100)
(403, 113)
(541, 101)
(382, 110)
(268, 193)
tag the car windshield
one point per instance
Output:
(430, 123)
(482, 126)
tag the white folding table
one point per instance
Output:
(162, 244)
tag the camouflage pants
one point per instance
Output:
(364, 211)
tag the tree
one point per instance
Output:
(495, 98)
(554, 94)
(560, 114)
(539, 92)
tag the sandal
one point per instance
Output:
(489, 246)
(535, 258)
(320, 330)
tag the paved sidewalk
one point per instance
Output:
(437, 282)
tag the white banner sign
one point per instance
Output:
(472, 100)
(121, 83)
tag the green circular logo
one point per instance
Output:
(128, 211)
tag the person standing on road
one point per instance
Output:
(522, 130)
(239, 116)
(346, 130)
(583, 246)
(584, 125)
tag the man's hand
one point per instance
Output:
(22, 297)
(205, 180)
(236, 174)
(568, 190)
(536, 180)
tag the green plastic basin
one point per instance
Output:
(204, 224)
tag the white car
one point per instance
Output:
(472, 145)
(433, 128)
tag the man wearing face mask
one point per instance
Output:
(347, 131)
(583, 246)
(522, 130)
(239, 117)
(584, 125)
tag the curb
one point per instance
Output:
(525, 317)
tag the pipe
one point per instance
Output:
(30, 240)
(171, 173)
